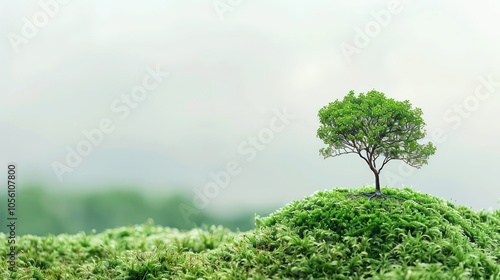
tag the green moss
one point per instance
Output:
(328, 235)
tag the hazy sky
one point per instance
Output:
(183, 89)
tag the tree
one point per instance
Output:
(377, 128)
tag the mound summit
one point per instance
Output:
(422, 237)
(328, 235)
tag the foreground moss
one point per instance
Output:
(328, 235)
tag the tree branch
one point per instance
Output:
(359, 153)
(386, 160)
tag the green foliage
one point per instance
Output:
(327, 235)
(376, 128)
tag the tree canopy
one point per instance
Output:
(377, 128)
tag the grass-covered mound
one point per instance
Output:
(422, 237)
(328, 235)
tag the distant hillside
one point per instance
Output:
(43, 212)
(328, 235)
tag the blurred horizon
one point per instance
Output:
(41, 211)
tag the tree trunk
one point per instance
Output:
(377, 183)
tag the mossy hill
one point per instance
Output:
(328, 235)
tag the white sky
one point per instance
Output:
(226, 78)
